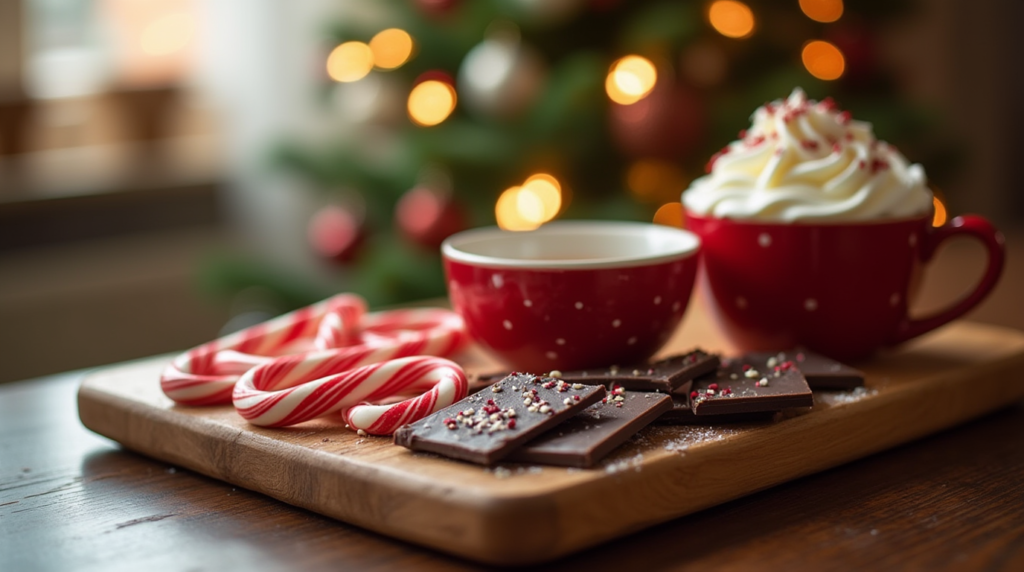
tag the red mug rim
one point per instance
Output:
(814, 223)
(662, 243)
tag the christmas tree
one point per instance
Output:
(517, 112)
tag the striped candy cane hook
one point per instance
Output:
(292, 390)
(327, 338)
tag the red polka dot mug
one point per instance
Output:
(840, 289)
(571, 294)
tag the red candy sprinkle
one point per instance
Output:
(715, 157)
(726, 391)
(828, 104)
(844, 117)
(809, 144)
(713, 386)
(836, 148)
(746, 366)
(511, 423)
(693, 395)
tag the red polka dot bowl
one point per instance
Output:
(571, 294)
(840, 289)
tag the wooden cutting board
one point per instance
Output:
(521, 514)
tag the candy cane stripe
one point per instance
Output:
(326, 358)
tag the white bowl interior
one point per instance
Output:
(572, 244)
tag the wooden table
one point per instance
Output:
(72, 500)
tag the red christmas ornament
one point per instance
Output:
(335, 233)
(427, 217)
(857, 44)
(437, 7)
(666, 124)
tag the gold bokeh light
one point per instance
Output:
(431, 102)
(655, 180)
(527, 207)
(670, 214)
(940, 212)
(508, 214)
(548, 192)
(823, 60)
(350, 62)
(732, 19)
(391, 48)
(822, 10)
(630, 79)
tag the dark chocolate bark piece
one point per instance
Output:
(666, 375)
(743, 386)
(682, 414)
(590, 435)
(820, 372)
(488, 425)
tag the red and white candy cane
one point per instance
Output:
(279, 393)
(338, 326)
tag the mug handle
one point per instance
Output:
(994, 243)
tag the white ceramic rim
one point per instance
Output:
(683, 245)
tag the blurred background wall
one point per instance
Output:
(173, 169)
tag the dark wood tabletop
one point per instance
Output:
(71, 500)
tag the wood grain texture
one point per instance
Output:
(73, 501)
(535, 515)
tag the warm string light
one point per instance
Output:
(350, 62)
(431, 102)
(732, 19)
(940, 212)
(630, 79)
(527, 207)
(655, 180)
(670, 214)
(391, 48)
(823, 60)
(824, 11)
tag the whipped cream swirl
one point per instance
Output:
(803, 160)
